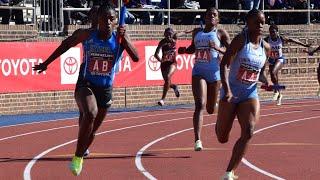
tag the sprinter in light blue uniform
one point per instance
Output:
(208, 44)
(207, 63)
(246, 58)
(245, 71)
(93, 92)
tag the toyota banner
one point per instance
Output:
(18, 58)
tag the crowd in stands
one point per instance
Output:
(157, 17)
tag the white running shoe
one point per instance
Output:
(229, 176)
(275, 96)
(279, 100)
(176, 91)
(161, 102)
(86, 154)
(198, 145)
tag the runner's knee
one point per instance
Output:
(200, 105)
(248, 133)
(222, 138)
(89, 116)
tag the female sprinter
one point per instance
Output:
(246, 58)
(276, 59)
(168, 60)
(207, 44)
(93, 92)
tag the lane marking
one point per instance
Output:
(27, 170)
(76, 117)
(250, 165)
(62, 119)
(120, 119)
(138, 160)
(64, 127)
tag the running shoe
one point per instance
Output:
(76, 165)
(229, 176)
(198, 145)
(279, 100)
(86, 154)
(161, 102)
(275, 96)
(176, 91)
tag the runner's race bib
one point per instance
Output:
(247, 75)
(274, 54)
(101, 65)
(169, 56)
(203, 55)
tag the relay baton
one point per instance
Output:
(273, 87)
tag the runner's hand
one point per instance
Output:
(182, 50)
(40, 67)
(228, 97)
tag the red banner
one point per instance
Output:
(17, 60)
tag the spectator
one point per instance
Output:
(300, 18)
(251, 4)
(229, 17)
(144, 16)
(15, 14)
(278, 18)
(183, 17)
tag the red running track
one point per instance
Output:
(159, 145)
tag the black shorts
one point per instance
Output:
(165, 65)
(103, 95)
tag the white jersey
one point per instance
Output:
(276, 48)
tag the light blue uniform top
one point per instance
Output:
(245, 70)
(207, 63)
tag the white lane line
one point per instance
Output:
(27, 170)
(250, 165)
(31, 123)
(64, 127)
(76, 117)
(139, 154)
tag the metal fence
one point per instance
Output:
(50, 16)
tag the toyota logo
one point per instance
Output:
(70, 65)
(153, 63)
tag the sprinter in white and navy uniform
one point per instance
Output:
(101, 52)
(277, 59)
(246, 57)
(208, 44)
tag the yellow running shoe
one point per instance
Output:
(76, 165)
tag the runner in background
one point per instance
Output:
(168, 60)
(208, 44)
(311, 52)
(277, 59)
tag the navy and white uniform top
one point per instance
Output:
(276, 47)
(100, 58)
